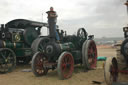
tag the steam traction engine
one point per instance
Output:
(16, 38)
(114, 66)
(119, 64)
(61, 51)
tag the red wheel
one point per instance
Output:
(38, 65)
(111, 70)
(65, 65)
(89, 54)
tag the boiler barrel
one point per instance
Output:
(5, 44)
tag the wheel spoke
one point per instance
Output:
(92, 54)
(5, 53)
(38, 66)
(2, 55)
(9, 55)
(66, 66)
(63, 67)
(114, 71)
(7, 61)
(41, 46)
(6, 66)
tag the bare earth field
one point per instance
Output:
(17, 77)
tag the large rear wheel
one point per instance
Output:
(7, 60)
(65, 65)
(39, 43)
(89, 54)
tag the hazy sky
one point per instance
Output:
(103, 18)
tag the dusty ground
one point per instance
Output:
(17, 77)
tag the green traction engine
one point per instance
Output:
(61, 51)
(16, 39)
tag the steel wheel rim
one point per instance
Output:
(67, 65)
(92, 54)
(8, 61)
(39, 64)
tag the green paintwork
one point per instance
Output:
(67, 46)
(72, 47)
(77, 56)
(20, 49)
(74, 44)
(21, 38)
(30, 34)
(16, 37)
(23, 52)
(9, 44)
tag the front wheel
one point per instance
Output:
(38, 65)
(65, 65)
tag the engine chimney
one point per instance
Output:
(52, 19)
